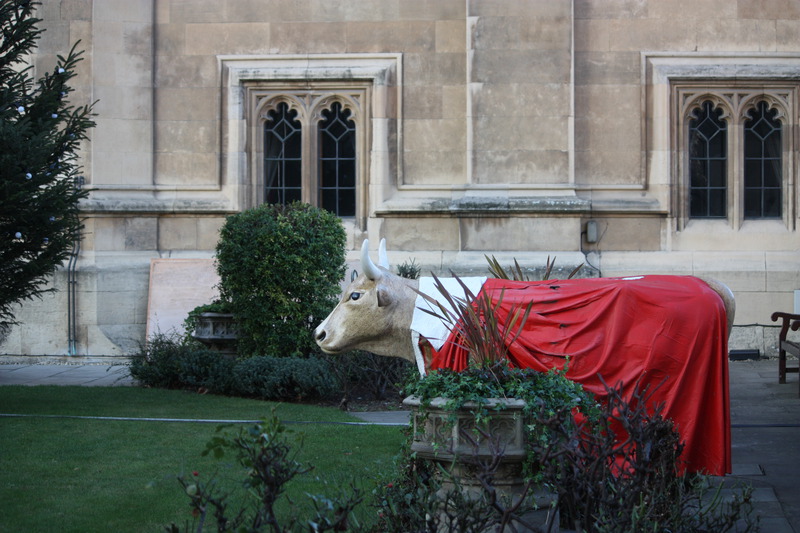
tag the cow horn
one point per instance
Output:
(383, 259)
(370, 270)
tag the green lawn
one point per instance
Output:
(70, 474)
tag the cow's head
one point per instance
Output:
(374, 313)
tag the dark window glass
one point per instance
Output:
(763, 165)
(708, 160)
(337, 162)
(282, 156)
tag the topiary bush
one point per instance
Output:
(280, 268)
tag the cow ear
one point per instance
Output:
(384, 297)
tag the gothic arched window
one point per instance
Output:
(736, 159)
(337, 162)
(708, 161)
(312, 149)
(283, 156)
(763, 163)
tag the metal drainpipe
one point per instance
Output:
(72, 284)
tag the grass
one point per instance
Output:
(69, 474)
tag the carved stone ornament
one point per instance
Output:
(218, 331)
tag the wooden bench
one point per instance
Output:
(785, 345)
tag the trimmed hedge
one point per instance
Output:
(284, 378)
(167, 363)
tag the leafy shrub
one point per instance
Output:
(207, 370)
(284, 378)
(606, 484)
(365, 374)
(159, 361)
(409, 269)
(545, 393)
(264, 452)
(174, 363)
(280, 268)
(602, 485)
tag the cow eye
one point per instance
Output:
(355, 296)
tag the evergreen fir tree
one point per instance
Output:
(40, 133)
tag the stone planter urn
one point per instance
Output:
(459, 444)
(218, 331)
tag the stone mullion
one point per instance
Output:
(310, 165)
(735, 172)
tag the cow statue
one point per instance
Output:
(668, 333)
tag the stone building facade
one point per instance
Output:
(634, 136)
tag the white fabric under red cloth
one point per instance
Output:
(644, 330)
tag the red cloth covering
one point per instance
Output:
(645, 329)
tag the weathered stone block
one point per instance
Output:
(124, 102)
(518, 33)
(777, 9)
(783, 274)
(787, 35)
(598, 167)
(187, 168)
(451, 36)
(369, 10)
(503, 8)
(422, 102)
(270, 11)
(427, 10)
(520, 233)
(238, 38)
(126, 10)
(186, 103)
(197, 11)
(454, 101)
(521, 66)
(428, 167)
(208, 232)
(497, 133)
(186, 71)
(413, 234)
(628, 233)
(730, 35)
(592, 35)
(177, 233)
(133, 135)
(134, 233)
(612, 68)
(756, 307)
(305, 37)
(175, 136)
(390, 36)
(446, 135)
(610, 9)
(170, 39)
(520, 99)
(521, 166)
(434, 69)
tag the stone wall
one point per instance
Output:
(494, 127)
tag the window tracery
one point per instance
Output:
(310, 145)
(734, 145)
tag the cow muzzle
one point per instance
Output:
(321, 336)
